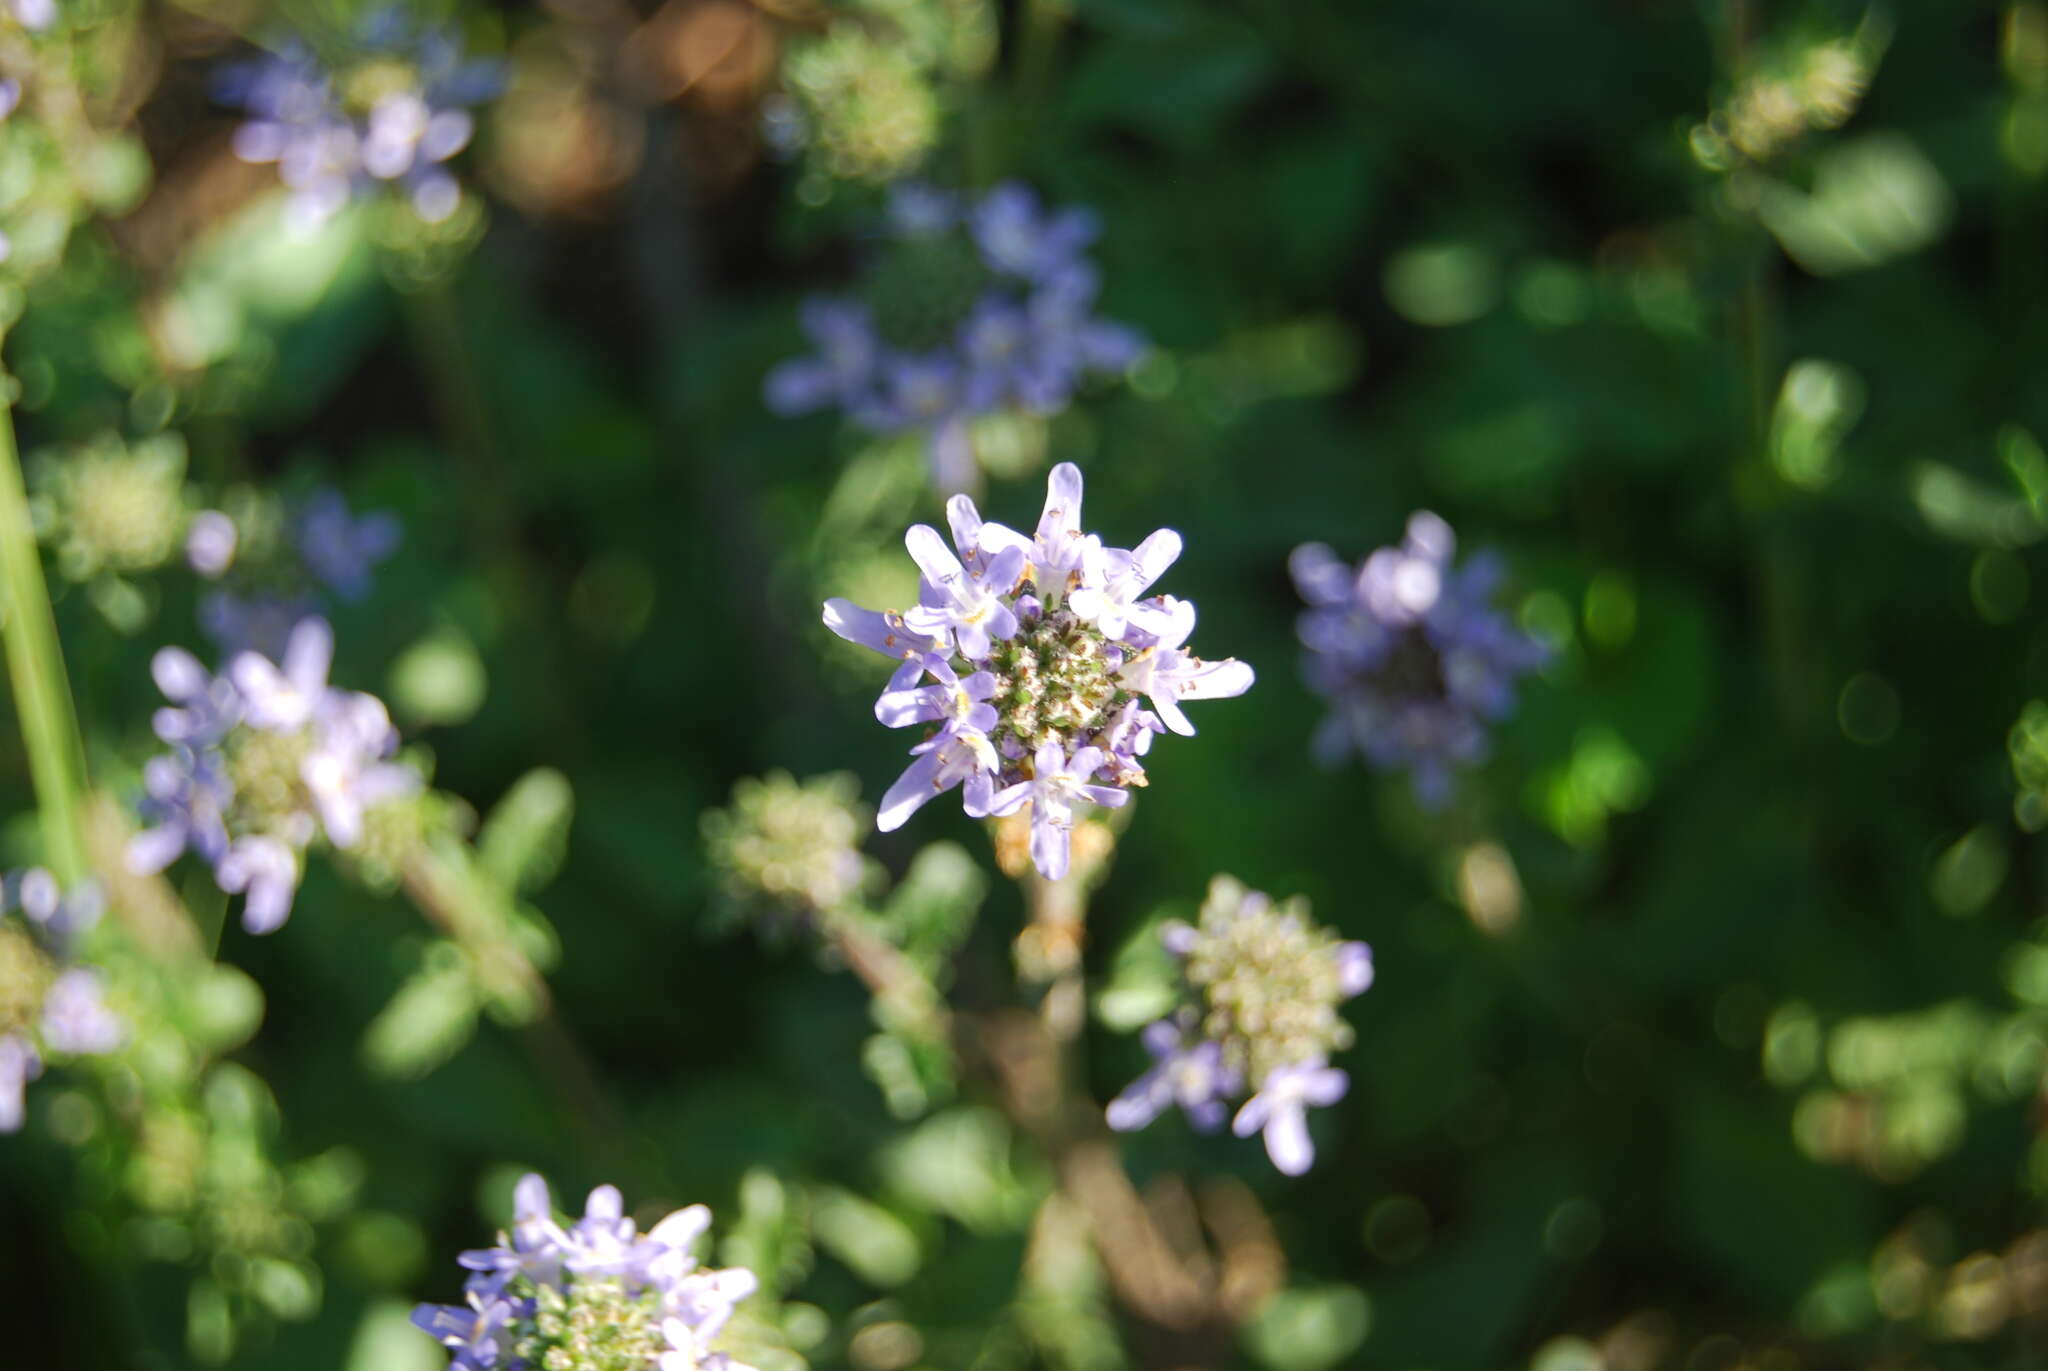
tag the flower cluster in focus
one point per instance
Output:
(1411, 654)
(970, 308)
(262, 759)
(1042, 654)
(1263, 983)
(389, 111)
(48, 1005)
(593, 1295)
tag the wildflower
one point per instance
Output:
(1413, 658)
(210, 543)
(33, 15)
(971, 308)
(1040, 649)
(392, 113)
(1262, 986)
(342, 549)
(1280, 1111)
(50, 1006)
(283, 559)
(1192, 1075)
(264, 758)
(595, 1293)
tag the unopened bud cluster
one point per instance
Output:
(596, 1324)
(114, 507)
(785, 846)
(1266, 978)
(1055, 682)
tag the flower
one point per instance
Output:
(392, 113)
(285, 561)
(1262, 984)
(50, 1006)
(210, 543)
(1192, 1075)
(548, 1292)
(263, 758)
(1411, 655)
(1280, 1111)
(341, 549)
(971, 308)
(1039, 650)
(19, 1065)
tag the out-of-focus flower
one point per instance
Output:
(282, 557)
(1263, 984)
(1280, 1111)
(1412, 656)
(390, 110)
(1039, 649)
(263, 759)
(592, 1293)
(210, 544)
(342, 549)
(33, 15)
(49, 1006)
(971, 308)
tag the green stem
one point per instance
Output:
(1038, 44)
(35, 665)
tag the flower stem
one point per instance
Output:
(35, 666)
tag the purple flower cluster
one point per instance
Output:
(327, 548)
(263, 758)
(47, 1006)
(591, 1293)
(1042, 654)
(972, 307)
(1262, 983)
(392, 114)
(1411, 654)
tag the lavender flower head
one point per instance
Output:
(263, 759)
(49, 1006)
(971, 307)
(1262, 983)
(282, 564)
(591, 1295)
(388, 109)
(1411, 654)
(1042, 654)
(341, 549)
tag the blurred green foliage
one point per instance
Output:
(1711, 1019)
